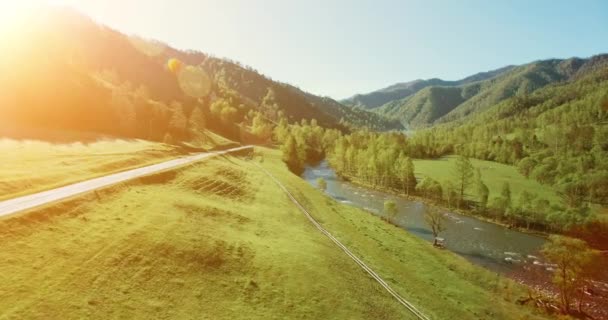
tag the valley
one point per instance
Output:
(184, 241)
(141, 180)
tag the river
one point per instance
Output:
(483, 243)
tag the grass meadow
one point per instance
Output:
(30, 166)
(219, 240)
(493, 174)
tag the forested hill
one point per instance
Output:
(406, 89)
(557, 135)
(62, 70)
(443, 101)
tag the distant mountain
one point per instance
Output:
(403, 90)
(447, 102)
(64, 71)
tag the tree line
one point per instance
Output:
(381, 160)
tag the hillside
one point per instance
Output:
(449, 101)
(404, 90)
(521, 81)
(88, 77)
(556, 135)
(220, 240)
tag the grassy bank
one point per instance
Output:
(30, 166)
(220, 240)
(493, 174)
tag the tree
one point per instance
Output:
(436, 221)
(390, 210)
(178, 122)
(574, 193)
(573, 258)
(526, 205)
(168, 139)
(321, 184)
(463, 172)
(291, 156)
(525, 166)
(269, 105)
(405, 167)
(483, 193)
(430, 188)
(229, 114)
(260, 127)
(505, 193)
(553, 136)
(451, 193)
(196, 123)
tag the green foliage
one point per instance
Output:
(197, 120)
(401, 91)
(483, 193)
(321, 184)
(463, 173)
(390, 210)
(292, 155)
(261, 127)
(505, 193)
(430, 188)
(404, 168)
(425, 107)
(443, 101)
(134, 95)
(572, 258)
(178, 122)
(554, 135)
(436, 221)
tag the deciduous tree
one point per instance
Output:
(390, 210)
(463, 172)
(572, 258)
(436, 222)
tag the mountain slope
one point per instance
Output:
(403, 90)
(63, 71)
(424, 107)
(521, 81)
(438, 104)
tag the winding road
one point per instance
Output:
(31, 201)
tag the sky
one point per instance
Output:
(338, 48)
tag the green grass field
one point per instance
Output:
(493, 175)
(29, 166)
(219, 240)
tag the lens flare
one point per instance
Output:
(194, 81)
(174, 65)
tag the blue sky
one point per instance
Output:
(338, 48)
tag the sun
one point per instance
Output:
(12, 10)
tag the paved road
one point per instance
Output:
(11, 206)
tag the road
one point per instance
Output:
(15, 205)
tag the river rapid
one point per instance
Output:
(483, 243)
